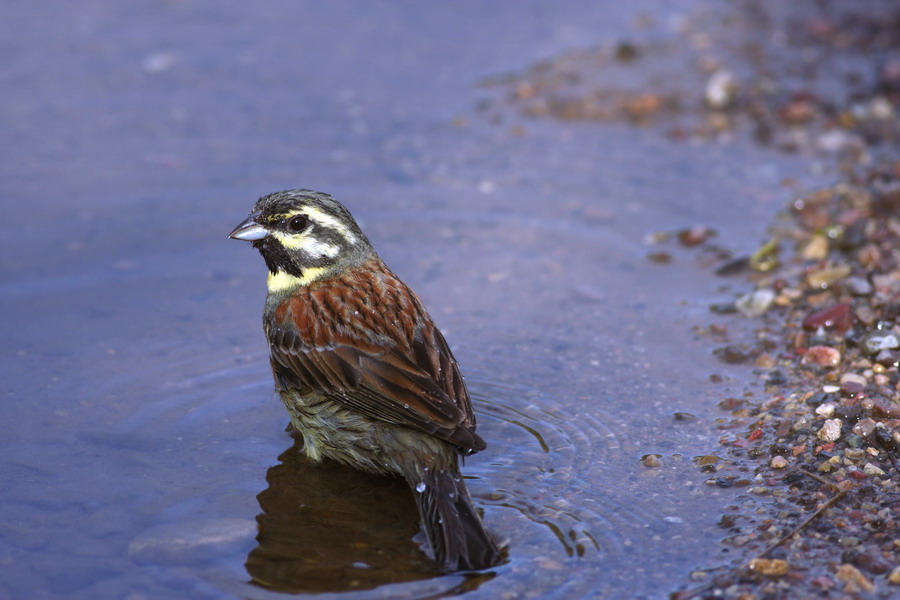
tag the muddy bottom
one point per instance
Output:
(145, 453)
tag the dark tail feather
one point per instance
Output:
(454, 530)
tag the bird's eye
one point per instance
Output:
(298, 223)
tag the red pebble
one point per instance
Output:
(837, 317)
(827, 447)
(858, 475)
(757, 433)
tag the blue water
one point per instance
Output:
(137, 403)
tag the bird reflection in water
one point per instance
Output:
(330, 528)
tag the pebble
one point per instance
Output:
(878, 340)
(865, 314)
(721, 89)
(823, 278)
(884, 408)
(872, 471)
(858, 286)
(831, 430)
(894, 577)
(864, 428)
(731, 354)
(651, 460)
(755, 303)
(853, 378)
(852, 388)
(825, 410)
(854, 579)
(888, 358)
(872, 561)
(824, 356)
(837, 317)
(778, 462)
(696, 235)
(772, 567)
(816, 248)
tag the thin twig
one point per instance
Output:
(831, 502)
(830, 484)
(809, 520)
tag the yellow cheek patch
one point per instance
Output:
(282, 281)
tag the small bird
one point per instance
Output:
(366, 376)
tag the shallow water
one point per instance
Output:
(144, 452)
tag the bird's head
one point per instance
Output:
(303, 236)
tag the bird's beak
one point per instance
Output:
(249, 230)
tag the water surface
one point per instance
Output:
(144, 452)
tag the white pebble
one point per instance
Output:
(831, 430)
(826, 410)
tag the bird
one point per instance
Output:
(367, 378)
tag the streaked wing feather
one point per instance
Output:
(380, 383)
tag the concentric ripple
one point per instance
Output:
(543, 462)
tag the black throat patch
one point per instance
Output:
(277, 257)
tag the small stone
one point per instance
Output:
(801, 424)
(706, 459)
(721, 89)
(894, 577)
(771, 567)
(872, 471)
(778, 462)
(848, 413)
(854, 579)
(838, 318)
(887, 409)
(731, 354)
(824, 356)
(853, 442)
(878, 340)
(755, 303)
(872, 561)
(816, 248)
(823, 278)
(865, 314)
(853, 378)
(825, 410)
(651, 460)
(696, 235)
(858, 286)
(831, 430)
(852, 388)
(864, 428)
